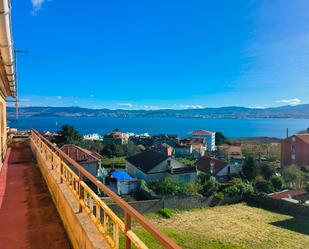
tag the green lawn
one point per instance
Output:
(233, 226)
(117, 161)
(186, 161)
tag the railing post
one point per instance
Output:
(127, 227)
(81, 191)
(61, 172)
(52, 161)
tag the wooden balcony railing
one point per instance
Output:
(106, 221)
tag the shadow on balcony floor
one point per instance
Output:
(28, 217)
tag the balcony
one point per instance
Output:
(29, 214)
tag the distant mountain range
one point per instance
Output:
(298, 111)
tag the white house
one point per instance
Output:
(152, 165)
(208, 136)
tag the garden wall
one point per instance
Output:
(180, 202)
(280, 205)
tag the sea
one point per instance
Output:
(178, 126)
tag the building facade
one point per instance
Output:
(295, 150)
(8, 74)
(154, 166)
(209, 138)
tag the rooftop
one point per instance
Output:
(201, 133)
(147, 160)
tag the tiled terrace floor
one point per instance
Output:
(28, 217)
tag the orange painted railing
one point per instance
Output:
(106, 221)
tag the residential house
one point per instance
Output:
(218, 168)
(171, 140)
(124, 183)
(295, 150)
(209, 138)
(143, 139)
(163, 148)
(89, 160)
(233, 152)
(93, 137)
(183, 150)
(116, 137)
(151, 165)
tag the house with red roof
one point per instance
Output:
(209, 138)
(218, 168)
(295, 150)
(89, 160)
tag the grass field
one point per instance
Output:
(233, 226)
(116, 161)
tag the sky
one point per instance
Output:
(162, 54)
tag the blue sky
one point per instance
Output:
(162, 54)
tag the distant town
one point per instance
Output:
(205, 163)
(297, 111)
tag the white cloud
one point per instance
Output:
(36, 6)
(190, 106)
(24, 100)
(125, 105)
(294, 101)
(59, 97)
(151, 107)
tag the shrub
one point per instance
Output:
(167, 186)
(262, 185)
(294, 176)
(250, 168)
(191, 188)
(267, 171)
(166, 212)
(277, 182)
(210, 187)
(219, 196)
(238, 187)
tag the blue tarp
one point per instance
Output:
(121, 175)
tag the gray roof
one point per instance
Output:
(147, 160)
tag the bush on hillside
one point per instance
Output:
(166, 212)
(250, 168)
(238, 187)
(263, 186)
(210, 187)
(277, 182)
(267, 171)
(294, 176)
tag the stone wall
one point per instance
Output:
(180, 202)
(278, 204)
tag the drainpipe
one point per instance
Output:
(6, 45)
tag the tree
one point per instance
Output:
(294, 176)
(210, 187)
(221, 139)
(131, 149)
(263, 186)
(109, 150)
(267, 171)
(250, 168)
(277, 182)
(238, 187)
(96, 146)
(203, 178)
(69, 135)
